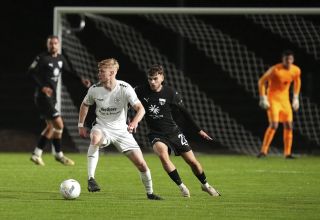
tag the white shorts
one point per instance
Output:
(121, 139)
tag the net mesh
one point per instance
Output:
(233, 57)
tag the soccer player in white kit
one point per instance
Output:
(111, 97)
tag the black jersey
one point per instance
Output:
(46, 70)
(159, 108)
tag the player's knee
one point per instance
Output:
(96, 138)
(274, 125)
(142, 166)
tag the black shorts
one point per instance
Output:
(46, 107)
(175, 142)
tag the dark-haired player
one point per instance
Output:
(45, 70)
(160, 101)
(277, 102)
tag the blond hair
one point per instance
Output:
(110, 62)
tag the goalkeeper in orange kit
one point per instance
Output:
(277, 102)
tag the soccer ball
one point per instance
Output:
(70, 189)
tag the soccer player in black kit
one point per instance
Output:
(45, 70)
(160, 101)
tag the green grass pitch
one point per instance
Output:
(270, 188)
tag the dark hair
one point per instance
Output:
(52, 37)
(155, 69)
(287, 53)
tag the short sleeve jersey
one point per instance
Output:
(159, 107)
(280, 80)
(111, 106)
(46, 71)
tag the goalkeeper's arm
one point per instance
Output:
(263, 102)
(296, 91)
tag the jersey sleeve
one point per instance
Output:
(34, 72)
(177, 103)
(131, 95)
(89, 99)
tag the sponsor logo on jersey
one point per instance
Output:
(56, 71)
(162, 101)
(99, 99)
(154, 109)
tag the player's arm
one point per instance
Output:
(186, 114)
(140, 111)
(263, 102)
(34, 73)
(296, 92)
(83, 111)
(84, 108)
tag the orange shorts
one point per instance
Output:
(280, 111)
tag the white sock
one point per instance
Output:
(147, 181)
(206, 185)
(37, 151)
(181, 186)
(93, 157)
(59, 154)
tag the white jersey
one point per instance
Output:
(111, 106)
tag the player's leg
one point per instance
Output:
(273, 116)
(97, 138)
(46, 110)
(286, 117)
(58, 125)
(197, 169)
(161, 150)
(43, 141)
(137, 159)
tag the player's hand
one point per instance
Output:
(86, 82)
(83, 132)
(47, 91)
(132, 127)
(263, 102)
(205, 135)
(295, 102)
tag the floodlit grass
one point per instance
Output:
(270, 188)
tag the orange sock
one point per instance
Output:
(268, 136)
(287, 140)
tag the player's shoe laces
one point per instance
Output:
(37, 160)
(210, 190)
(184, 191)
(93, 185)
(65, 160)
(153, 197)
(261, 155)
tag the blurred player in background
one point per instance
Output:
(277, 102)
(45, 70)
(112, 97)
(165, 136)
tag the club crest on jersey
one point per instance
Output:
(60, 64)
(116, 99)
(162, 101)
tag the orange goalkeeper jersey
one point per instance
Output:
(280, 80)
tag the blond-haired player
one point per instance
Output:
(277, 102)
(111, 97)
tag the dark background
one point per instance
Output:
(24, 28)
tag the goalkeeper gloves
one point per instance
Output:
(295, 102)
(264, 103)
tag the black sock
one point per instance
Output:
(57, 144)
(174, 175)
(202, 178)
(42, 142)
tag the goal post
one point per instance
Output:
(210, 38)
